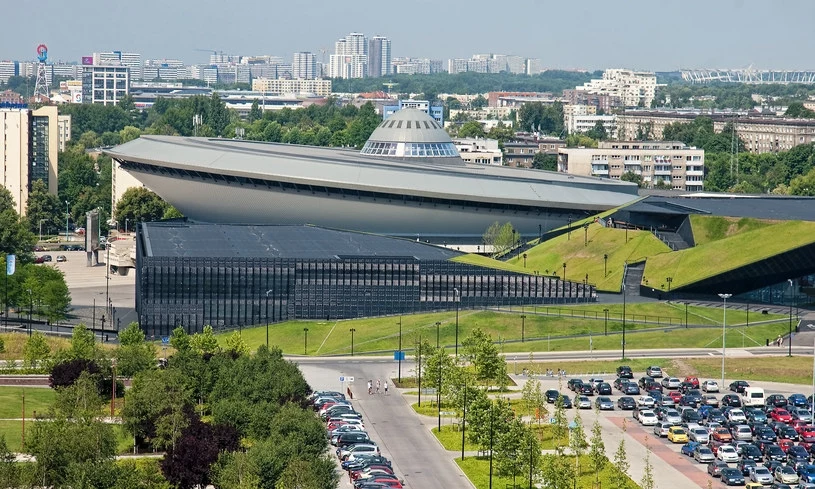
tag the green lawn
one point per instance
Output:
(37, 399)
(707, 229)
(795, 370)
(695, 264)
(483, 261)
(450, 437)
(13, 431)
(382, 334)
(548, 257)
(477, 470)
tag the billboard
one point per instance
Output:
(87, 60)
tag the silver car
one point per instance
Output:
(742, 432)
(802, 414)
(582, 402)
(761, 474)
(699, 435)
(671, 383)
(703, 454)
(672, 416)
(661, 429)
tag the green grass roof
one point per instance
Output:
(722, 255)
(707, 229)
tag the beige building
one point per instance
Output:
(29, 148)
(760, 134)
(479, 150)
(672, 163)
(318, 87)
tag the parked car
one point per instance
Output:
(603, 389)
(671, 383)
(732, 477)
(731, 400)
(780, 414)
(785, 474)
(692, 380)
(761, 475)
(604, 403)
(677, 434)
(715, 468)
(736, 416)
(61, 258)
(631, 389)
(738, 386)
(653, 371)
(647, 417)
(710, 400)
(645, 402)
(551, 396)
(699, 435)
(745, 465)
(585, 390)
(798, 400)
(688, 448)
(582, 402)
(776, 400)
(742, 432)
(672, 416)
(626, 403)
(806, 433)
(801, 414)
(703, 454)
(619, 383)
(574, 384)
(661, 429)
(721, 435)
(625, 372)
(710, 386)
(727, 453)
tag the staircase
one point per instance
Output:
(633, 278)
(673, 240)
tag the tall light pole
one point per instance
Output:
(724, 330)
(568, 237)
(458, 303)
(523, 319)
(399, 355)
(605, 265)
(464, 415)
(605, 325)
(669, 280)
(586, 234)
(352, 330)
(126, 219)
(41, 221)
(267, 317)
(789, 338)
(564, 272)
(623, 357)
(305, 341)
(438, 325)
(67, 214)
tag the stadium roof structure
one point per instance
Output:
(406, 183)
(782, 208)
(190, 240)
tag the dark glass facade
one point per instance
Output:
(233, 292)
(39, 160)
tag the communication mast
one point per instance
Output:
(41, 87)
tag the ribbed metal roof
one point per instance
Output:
(410, 126)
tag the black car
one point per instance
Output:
(731, 400)
(625, 372)
(738, 386)
(631, 389)
(731, 477)
(567, 403)
(574, 384)
(744, 465)
(603, 389)
(765, 435)
(619, 382)
(689, 401)
(796, 454)
(776, 400)
(748, 451)
(774, 452)
(716, 416)
(551, 395)
(787, 432)
(644, 381)
(626, 403)
(586, 390)
(691, 416)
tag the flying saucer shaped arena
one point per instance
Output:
(408, 180)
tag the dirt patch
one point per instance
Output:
(681, 368)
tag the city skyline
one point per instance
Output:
(638, 35)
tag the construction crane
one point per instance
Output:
(389, 86)
(212, 52)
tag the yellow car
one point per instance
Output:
(677, 434)
(753, 485)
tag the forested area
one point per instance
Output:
(729, 95)
(219, 415)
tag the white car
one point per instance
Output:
(711, 427)
(710, 386)
(736, 416)
(648, 418)
(699, 435)
(727, 453)
(645, 402)
(761, 474)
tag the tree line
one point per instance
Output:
(219, 415)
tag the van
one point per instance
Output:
(752, 396)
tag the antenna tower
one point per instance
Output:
(41, 87)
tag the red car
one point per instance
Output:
(781, 415)
(371, 471)
(722, 435)
(675, 395)
(806, 432)
(785, 444)
(692, 380)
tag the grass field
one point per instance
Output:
(707, 229)
(382, 334)
(694, 264)
(13, 344)
(450, 438)
(37, 399)
(795, 370)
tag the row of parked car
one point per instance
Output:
(359, 456)
(744, 437)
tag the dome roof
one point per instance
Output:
(410, 126)
(410, 133)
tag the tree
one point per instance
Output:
(134, 353)
(500, 238)
(560, 428)
(577, 441)
(621, 465)
(15, 235)
(797, 110)
(6, 200)
(645, 132)
(478, 103)
(255, 112)
(598, 132)
(482, 353)
(632, 177)
(533, 398)
(43, 209)
(157, 407)
(647, 481)
(557, 471)
(471, 129)
(36, 350)
(180, 340)
(189, 460)
(66, 373)
(83, 344)
(129, 133)
(580, 141)
(235, 345)
(803, 185)
(140, 205)
(421, 352)
(597, 449)
(508, 448)
(236, 470)
(143, 473)
(544, 161)
(205, 341)
(486, 419)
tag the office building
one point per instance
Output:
(304, 66)
(667, 164)
(414, 66)
(104, 84)
(29, 148)
(8, 69)
(631, 88)
(321, 88)
(379, 56)
(759, 134)
(533, 66)
(120, 58)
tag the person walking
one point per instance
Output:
(370, 386)
(378, 385)
(386, 387)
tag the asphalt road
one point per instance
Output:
(417, 457)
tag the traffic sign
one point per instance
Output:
(342, 379)
(349, 379)
(165, 340)
(398, 355)
(552, 421)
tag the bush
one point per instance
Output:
(65, 373)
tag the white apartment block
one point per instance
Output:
(584, 123)
(105, 84)
(479, 151)
(7, 70)
(29, 149)
(320, 88)
(131, 60)
(634, 88)
(304, 66)
(350, 58)
(673, 163)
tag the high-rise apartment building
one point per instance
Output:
(8, 69)
(379, 56)
(304, 66)
(105, 84)
(350, 58)
(670, 163)
(29, 148)
(632, 88)
(120, 58)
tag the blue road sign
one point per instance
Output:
(398, 355)
(165, 340)
(342, 379)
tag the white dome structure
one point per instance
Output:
(411, 133)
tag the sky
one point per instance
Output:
(654, 35)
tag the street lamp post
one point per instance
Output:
(419, 375)
(789, 338)
(669, 280)
(67, 214)
(568, 237)
(41, 221)
(491, 435)
(458, 303)
(464, 416)
(438, 325)
(686, 315)
(30, 309)
(305, 341)
(586, 234)
(724, 330)
(564, 271)
(438, 397)
(267, 317)
(126, 219)
(605, 325)
(623, 357)
(605, 265)
(352, 330)
(399, 355)
(523, 319)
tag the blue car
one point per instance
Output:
(688, 448)
(798, 400)
(807, 473)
